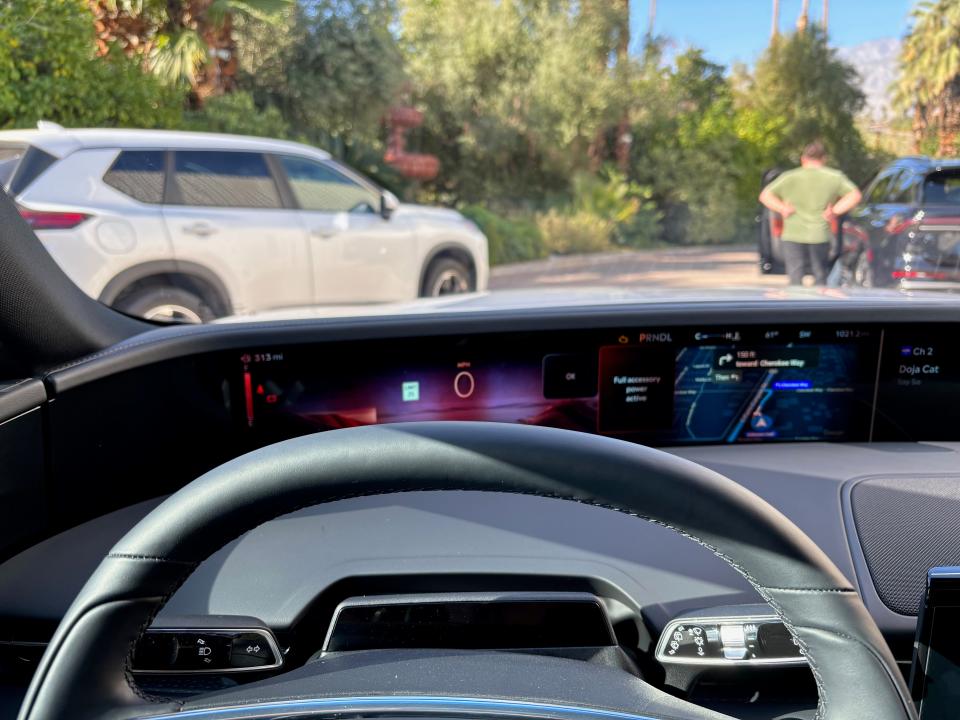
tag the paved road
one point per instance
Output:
(700, 267)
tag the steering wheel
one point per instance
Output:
(85, 672)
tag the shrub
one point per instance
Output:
(510, 239)
(578, 232)
(237, 114)
(627, 206)
(49, 71)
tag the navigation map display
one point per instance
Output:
(663, 387)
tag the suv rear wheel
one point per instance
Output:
(166, 304)
(447, 276)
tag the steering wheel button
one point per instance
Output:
(732, 636)
(251, 650)
(201, 651)
(734, 653)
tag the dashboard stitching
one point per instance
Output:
(763, 591)
(810, 590)
(153, 558)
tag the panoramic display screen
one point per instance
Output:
(662, 387)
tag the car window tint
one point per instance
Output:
(139, 174)
(878, 193)
(316, 186)
(901, 190)
(224, 179)
(942, 188)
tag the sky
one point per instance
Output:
(738, 30)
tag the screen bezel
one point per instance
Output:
(942, 590)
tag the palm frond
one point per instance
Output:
(178, 57)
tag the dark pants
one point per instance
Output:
(806, 258)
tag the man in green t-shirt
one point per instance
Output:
(810, 198)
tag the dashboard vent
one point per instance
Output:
(906, 526)
(470, 621)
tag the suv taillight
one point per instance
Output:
(48, 220)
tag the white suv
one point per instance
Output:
(196, 226)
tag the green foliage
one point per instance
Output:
(578, 232)
(180, 39)
(515, 91)
(510, 239)
(49, 71)
(687, 151)
(237, 113)
(930, 56)
(628, 207)
(177, 56)
(929, 81)
(801, 87)
(332, 68)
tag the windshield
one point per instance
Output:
(196, 161)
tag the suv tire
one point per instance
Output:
(447, 276)
(165, 304)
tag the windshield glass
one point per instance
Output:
(194, 161)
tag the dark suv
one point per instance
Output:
(906, 232)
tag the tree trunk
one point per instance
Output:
(949, 127)
(114, 27)
(804, 20)
(623, 142)
(918, 126)
(775, 21)
(825, 20)
(219, 74)
(651, 18)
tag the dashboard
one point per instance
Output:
(666, 386)
(838, 416)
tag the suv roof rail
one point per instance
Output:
(48, 125)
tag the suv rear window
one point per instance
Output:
(942, 188)
(138, 174)
(20, 165)
(224, 179)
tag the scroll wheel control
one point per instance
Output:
(734, 642)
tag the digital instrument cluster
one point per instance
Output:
(672, 386)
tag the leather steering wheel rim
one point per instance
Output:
(85, 671)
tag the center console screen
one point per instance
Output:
(660, 387)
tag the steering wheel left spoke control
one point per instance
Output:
(206, 650)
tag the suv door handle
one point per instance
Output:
(324, 233)
(201, 229)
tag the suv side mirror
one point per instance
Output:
(388, 204)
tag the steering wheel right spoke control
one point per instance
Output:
(726, 637)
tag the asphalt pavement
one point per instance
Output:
(693, 267)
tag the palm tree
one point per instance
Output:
(804, 20)
(182, 41)
(929, 81)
